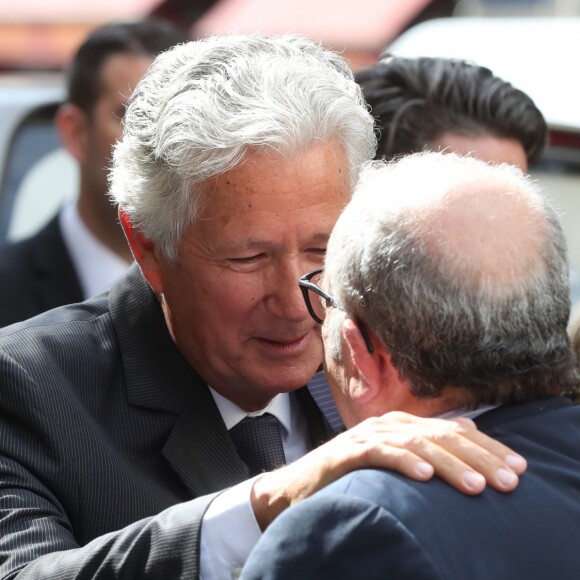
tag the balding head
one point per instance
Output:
(460, 269)
(486, 224)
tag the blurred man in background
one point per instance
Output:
(82, 250)
(445, 104)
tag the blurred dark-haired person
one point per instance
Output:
(445, 104)
(444, 294)
(82, 250)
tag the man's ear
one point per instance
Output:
(72, 126)
(144, 251)
(367, 373)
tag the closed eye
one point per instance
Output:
(247, 259)
(317, 253)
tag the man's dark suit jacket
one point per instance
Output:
(36, 274)
(374, 524)
(103, 428)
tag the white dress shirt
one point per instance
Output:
(467, 413)
(97, 267)
(229, 529)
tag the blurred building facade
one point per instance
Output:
(40, 35)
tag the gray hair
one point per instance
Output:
(204, 105)
(448, 320)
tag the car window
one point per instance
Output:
(39, 177)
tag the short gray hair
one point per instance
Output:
(203, 105)
(445, 321)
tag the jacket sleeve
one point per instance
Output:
(339, 537)
(43, 504)
(36, 540)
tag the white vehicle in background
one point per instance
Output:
(36, 174)
(540, 56)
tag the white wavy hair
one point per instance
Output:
(203, 105)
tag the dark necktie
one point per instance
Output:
(259, 443)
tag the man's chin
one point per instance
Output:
(287, 383)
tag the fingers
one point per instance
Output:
(465, 466)
(511, 459)
(402, 460)
(447, 466)
(415, 447)
(486, 460)
(412, 453)
(458, 453)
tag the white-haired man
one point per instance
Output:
(445, 294)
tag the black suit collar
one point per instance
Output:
(159, 378)
(57, 280)
(516, 411)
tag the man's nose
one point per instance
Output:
(285, 298)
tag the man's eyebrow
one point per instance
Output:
(250, 242)
(320, 238)
(255, 243)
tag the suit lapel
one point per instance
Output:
(203, 455)
(159, 378)
(57, 281)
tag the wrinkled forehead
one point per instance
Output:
(268, 182)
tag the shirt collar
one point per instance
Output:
(97, 267)
(467, 413)
(279, 406)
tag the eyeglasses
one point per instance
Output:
(318, 301)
